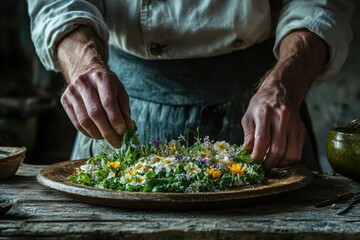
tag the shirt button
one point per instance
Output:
(237, 43)
(156, 48)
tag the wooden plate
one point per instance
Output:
(279, 181)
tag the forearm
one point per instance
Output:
(79, 51)
(302, 55)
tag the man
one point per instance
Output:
(187, 64)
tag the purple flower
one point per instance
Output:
(202, 160)
(234, 154)
(156, 143)
(186, 158)
(206, 138)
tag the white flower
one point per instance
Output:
(221, 146)
(139, 167)
(89, 168)
(156, 159)
(140, 180)
(192, 169)
(173, 145)
(222, 158)
(170, 164)
(110, 175)
(127, 178)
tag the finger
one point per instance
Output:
(76, 111)
(291, 155)
(97, 114)
(123, 101)
(261, 139)
(124, 104)
(108, 98)
(294, 148)
(71, 114)
(278, 145)
(249, 131)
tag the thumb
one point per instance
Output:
(249, 131)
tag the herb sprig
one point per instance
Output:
(171, 166)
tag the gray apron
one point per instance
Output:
(169, 97)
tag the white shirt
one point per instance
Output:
(178, 29)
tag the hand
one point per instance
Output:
(273, 127)
(95, 100)
(272, 124)
(98, 105)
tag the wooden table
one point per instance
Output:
(42, 212)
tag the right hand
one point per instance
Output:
(95, 100)
(98, 105)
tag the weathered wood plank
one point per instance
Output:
(42, 212)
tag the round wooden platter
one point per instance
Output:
(278, 182)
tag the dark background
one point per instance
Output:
(32, 116)
(30, 112)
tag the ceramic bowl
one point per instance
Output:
(343, 151)
(10, 160)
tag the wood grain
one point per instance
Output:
(42, 212)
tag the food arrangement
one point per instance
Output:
(170, 166)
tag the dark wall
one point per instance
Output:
(30, 112)
(337, 101)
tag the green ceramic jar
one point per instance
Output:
(343, 151)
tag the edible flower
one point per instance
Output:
(130, 171)
(173, 146)
(221, 146)
(174, 166)
(214, 173)
(192, 169)
(115, 165)
(236, 168)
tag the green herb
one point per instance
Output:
(171, 166)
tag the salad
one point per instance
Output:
(170, 166)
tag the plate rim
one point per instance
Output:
(98, 195)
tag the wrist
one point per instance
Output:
(277, 84)
(80, 51)
(301, 58)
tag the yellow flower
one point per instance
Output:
(130, 171)
(236, 168)
(114, 165)
(214, 173)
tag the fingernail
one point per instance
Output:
(247, 148)
(120, 129)
(116, 143)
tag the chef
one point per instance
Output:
(237, 70)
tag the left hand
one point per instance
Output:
(272, 124)
(273, 127)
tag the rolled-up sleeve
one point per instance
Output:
(328, 19)
(51, 20)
